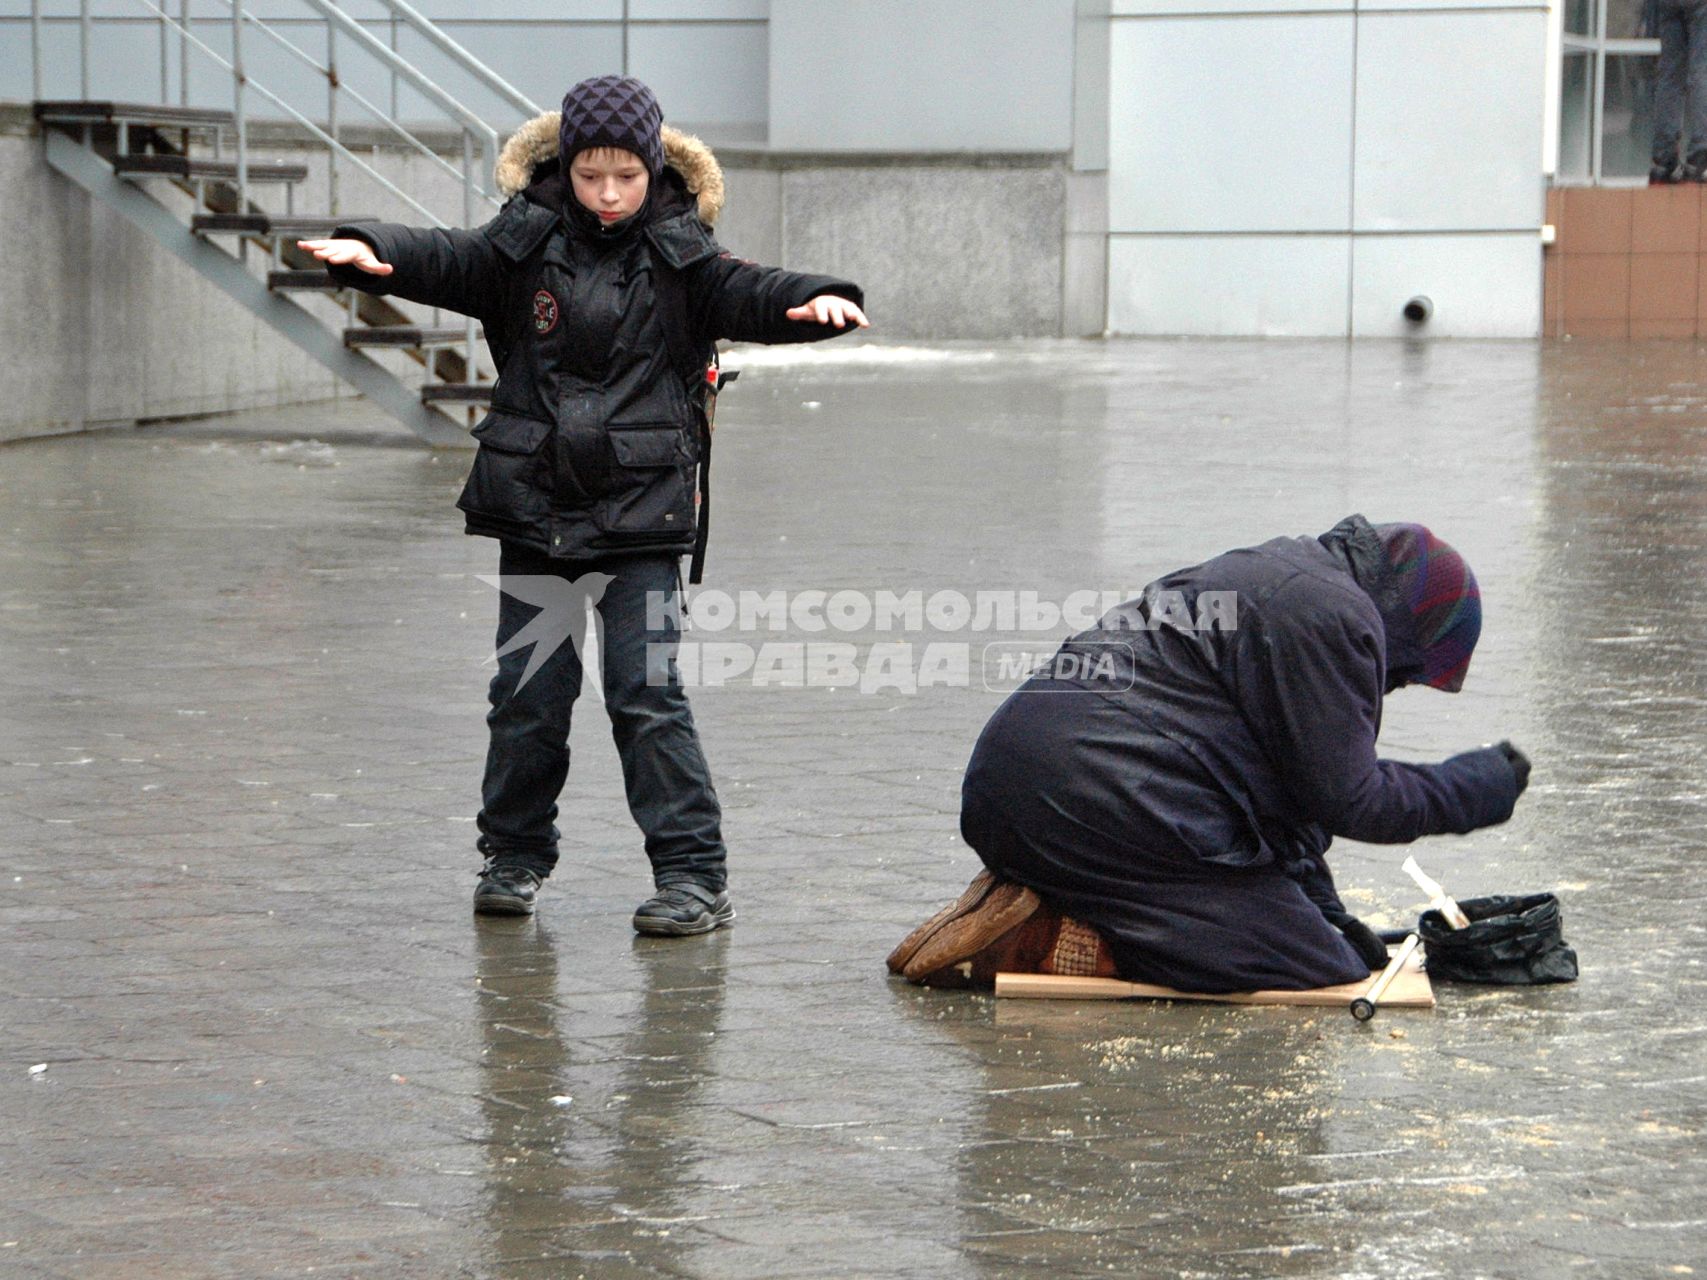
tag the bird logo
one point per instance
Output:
(563, 605)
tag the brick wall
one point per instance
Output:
(1627, 263)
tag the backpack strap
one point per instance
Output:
(676, 244)
(702, 530)
(679, 243)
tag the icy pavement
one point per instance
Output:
(240, 755)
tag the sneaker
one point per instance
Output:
(1665, 172)
(1695, 169)
(679, 910)
(505, 890)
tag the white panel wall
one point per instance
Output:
(1449, 116)
(1279, 286)
(942, 76)
(1168, 8)
(1231, 124)
(1291, 167)
(1482, 286)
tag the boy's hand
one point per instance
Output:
(356, 253)
(826, 308)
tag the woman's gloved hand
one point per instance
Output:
(1518, 761)
(1369, 947)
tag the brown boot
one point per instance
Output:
(1047, 942)
(1078, 951)
(989, 908)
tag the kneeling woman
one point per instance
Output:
(1158, 807)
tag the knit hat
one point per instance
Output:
(1432, 581)
(612, 111)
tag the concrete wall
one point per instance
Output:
(1305, 168)
(103, 327)
(943, 248)
(100, 326)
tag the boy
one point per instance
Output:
(601, 292)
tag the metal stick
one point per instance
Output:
(425, 28)
(238, 79)
(332, 116)
(183, 51)
(1364, 1006)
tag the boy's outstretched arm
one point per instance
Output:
(828, 308)
(437, 266)
(744, 302)
(354, 253)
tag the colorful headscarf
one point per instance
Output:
(1436, 586)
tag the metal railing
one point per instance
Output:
(478, 138)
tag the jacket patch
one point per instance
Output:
(545, 312)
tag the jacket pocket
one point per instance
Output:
(509, 481)
(651, 494)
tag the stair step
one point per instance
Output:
(457, 392)
(404, 335)
(303, 226)
(205, 224)
(80, 111)
(186, 168)
(319, 281)
(290, 226)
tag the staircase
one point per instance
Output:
(242, 226)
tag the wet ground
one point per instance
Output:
(243, 689)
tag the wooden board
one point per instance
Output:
(1410, 989)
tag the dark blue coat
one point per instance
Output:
(1176, 785)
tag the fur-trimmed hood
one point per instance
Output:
(536, 142)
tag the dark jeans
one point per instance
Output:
(663, 769)
(1682, 29)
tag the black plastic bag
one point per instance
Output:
(1511, 942)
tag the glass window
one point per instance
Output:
(1627, 116)
(1606, 93)
(1576, 118)
(1623, 18)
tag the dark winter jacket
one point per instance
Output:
(601, 339)
(1177, 787)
